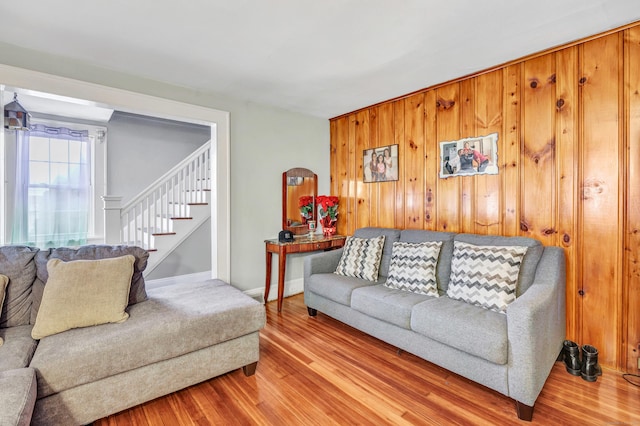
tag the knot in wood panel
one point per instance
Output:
(591, 188)
(546, 152)
(548, 231)
(445, 103)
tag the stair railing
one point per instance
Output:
(155, 208)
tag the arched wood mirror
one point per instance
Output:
(298, 183)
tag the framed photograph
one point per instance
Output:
(380, 164)
(470, 156)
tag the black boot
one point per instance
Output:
(571, 352)
(590, 367)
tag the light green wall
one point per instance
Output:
(265, 141)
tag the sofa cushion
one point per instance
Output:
(16, 262)
(390, 305)
(443, 269)
(18, 347)
(390, 237)
(175, 320)
(335, 287)
(485, 276)
(477, 331)
(529, 263)
(84, 293)
(17, 396)
(137, 292)
(413, 267)
(361, 258)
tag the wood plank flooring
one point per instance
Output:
(318, 371)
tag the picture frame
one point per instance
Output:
(385, 167)
(470, 156)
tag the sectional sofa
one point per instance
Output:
(161, 340)
(510, 349)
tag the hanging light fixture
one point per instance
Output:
(15, 116)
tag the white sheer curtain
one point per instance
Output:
(20, 227)
(53, 187)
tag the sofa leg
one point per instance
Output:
(525, 412)
(312, 312)
(250, 369)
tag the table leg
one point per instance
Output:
(282, 262)
(267, 283)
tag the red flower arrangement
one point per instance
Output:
(306, 207)
(328, 211)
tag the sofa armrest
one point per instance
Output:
(536, 325)
(322, 263)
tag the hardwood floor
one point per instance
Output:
(318, 371)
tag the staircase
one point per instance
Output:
(162, 216)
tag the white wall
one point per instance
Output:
(163, 143)
(265, 141)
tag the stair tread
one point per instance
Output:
(159, 234)
(182, 218)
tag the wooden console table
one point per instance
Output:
(299, 245)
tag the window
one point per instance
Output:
(54, 201)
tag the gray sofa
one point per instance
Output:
(511, 353)
(175, 336)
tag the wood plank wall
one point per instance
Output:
(569, 172)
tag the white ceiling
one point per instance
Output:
(318, 57)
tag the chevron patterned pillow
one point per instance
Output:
(413, 267)
(361, 258)
(485, 276)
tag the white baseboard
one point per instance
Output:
(290, 288)
(162, 282)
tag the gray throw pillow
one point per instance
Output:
(361, 258)
(485, 276)
(413, 267)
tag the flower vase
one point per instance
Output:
(328, 226)
(329, 231)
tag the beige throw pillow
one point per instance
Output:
(82, 293)
(4, 282)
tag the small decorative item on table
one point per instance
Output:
(328, 211)
(306, 208)
(312, 228)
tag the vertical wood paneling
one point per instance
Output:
(333, 157)
(340, 174)
(509, 155)
(568, 126)
(538, 160)
(567, 143)
(414, 161)
(373, 191)
(432, 158)
(362, 196)
(600, 162)
(488, 116)
(632, 243)
(386, 192)
(352, 199)
(467, 128)
(448, 129)
(398, 138)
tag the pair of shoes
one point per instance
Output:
(588, 368)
